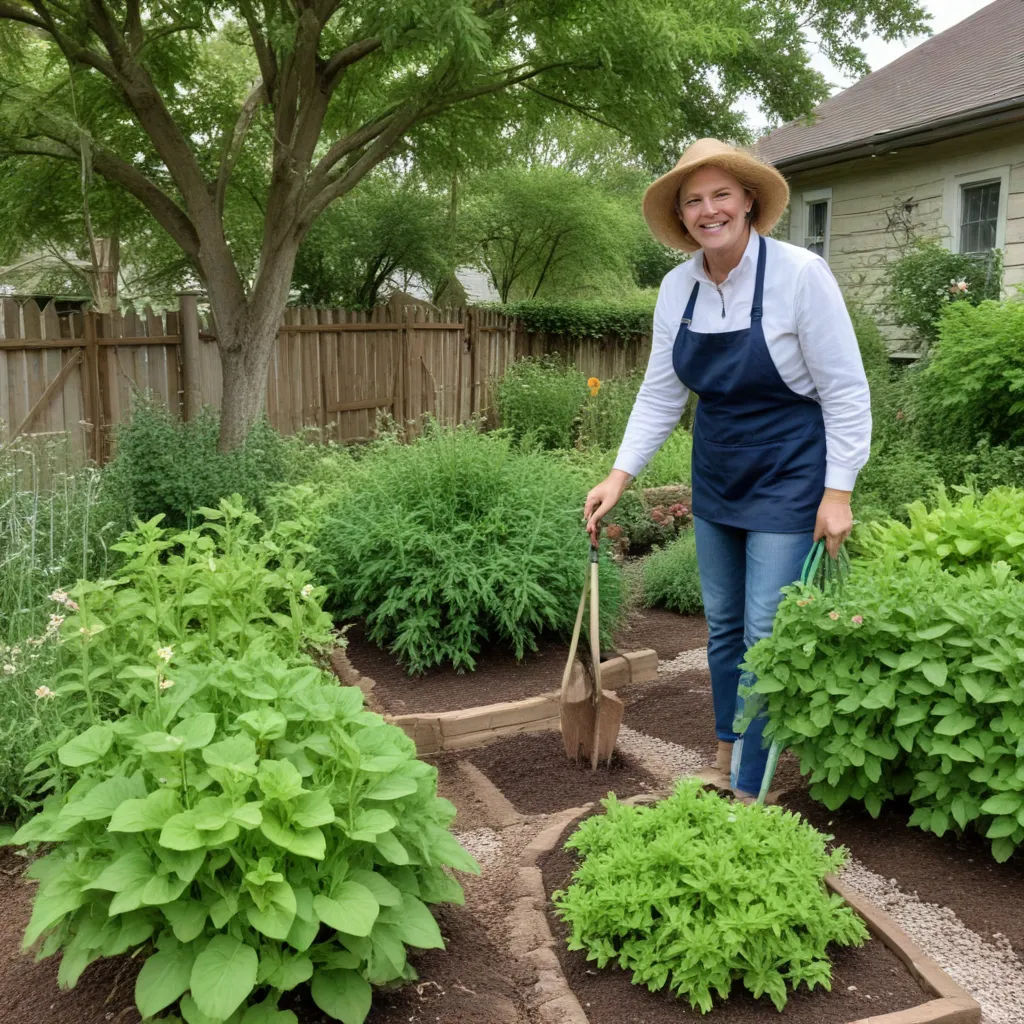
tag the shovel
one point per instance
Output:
(590, 718)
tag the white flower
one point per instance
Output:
(15, 651)
(55, 621)
(45, 692)
(60, 596)
(165, 654)
(307, 590)
(9, 670)
(166, 684)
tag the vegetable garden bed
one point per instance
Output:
(498, 676)
(868, 982)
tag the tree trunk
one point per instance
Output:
(244, 393)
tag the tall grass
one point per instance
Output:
(52, 532)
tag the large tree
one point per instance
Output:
(316, 93)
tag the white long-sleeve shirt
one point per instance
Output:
(809, 336)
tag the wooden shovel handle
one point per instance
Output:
(567, 674)
(595, 626)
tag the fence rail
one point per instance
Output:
(75, 373)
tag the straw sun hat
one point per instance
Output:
(771, 193)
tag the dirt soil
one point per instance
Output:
(958, 873)
(532, 771)
(881, 983)
(498, 676)
(105, 993)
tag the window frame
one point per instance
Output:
(798, 224)
(954, 204)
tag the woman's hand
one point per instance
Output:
(835, 520)
(602, 499)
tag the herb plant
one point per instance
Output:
(541, 399)
(696, 893)
(219, 799)
(908, 682)
(457, 540)
(672, 578)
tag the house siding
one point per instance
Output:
(864, 238)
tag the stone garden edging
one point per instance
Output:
(531, 939)
(437, 731)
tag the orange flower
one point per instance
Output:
(594, 384)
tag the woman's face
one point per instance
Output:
(714, 206)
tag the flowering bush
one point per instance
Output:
(927, 277)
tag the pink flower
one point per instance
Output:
(857, 620)
(70, 605)
(804, 602)
(834, 616)
(614, 532)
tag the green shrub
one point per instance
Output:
(986, 466)
(696, 893)
(606, 410)
(671, 463)
(972, 385)
(541, 399)
(672, 579)
(623, 320)
(909, 681)
(896, 475)
(216, 797)
(166, 466)
(459, 539)
(923, 283)
(256, 827)
(955, 536)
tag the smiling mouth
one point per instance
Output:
(714, 226)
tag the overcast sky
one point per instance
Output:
(945, 14)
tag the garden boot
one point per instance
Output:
(723, 760)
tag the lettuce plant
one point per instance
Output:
(696, 893)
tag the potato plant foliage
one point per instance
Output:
(696, 893)
(910, 681)
(224, 802)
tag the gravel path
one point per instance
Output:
(991, 972)
(688, 661)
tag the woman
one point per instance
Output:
(758, 330)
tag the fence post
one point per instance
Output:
(94, 401)
(191, 353)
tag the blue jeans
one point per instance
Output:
(741, 575)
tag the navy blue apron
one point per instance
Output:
(758, 446)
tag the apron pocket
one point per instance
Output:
(735, 472)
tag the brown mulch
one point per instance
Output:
(532, 771)
(882, 983)
(498, 676)
(958, 873)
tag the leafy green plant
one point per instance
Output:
(166, 466)
(252, 823)
(606, 410)
(696, 893)
(623, 321)
(217, 797)
(456, 540)
(672, 579)
(974, 531)
(973, 382)
(908, 682)
(928, 277)
(644, 521)
(541, 399)
(206, 592)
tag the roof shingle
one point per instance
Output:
(973, 65)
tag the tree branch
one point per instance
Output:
(400, 123)
(14, 12)
(343, 59)
(264, 55)
(233, 142)
(576, 107)
(165, 211)
(361, 137)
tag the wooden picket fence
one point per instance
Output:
(76, 373)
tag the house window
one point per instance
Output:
(817, 221)
(979, 216)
